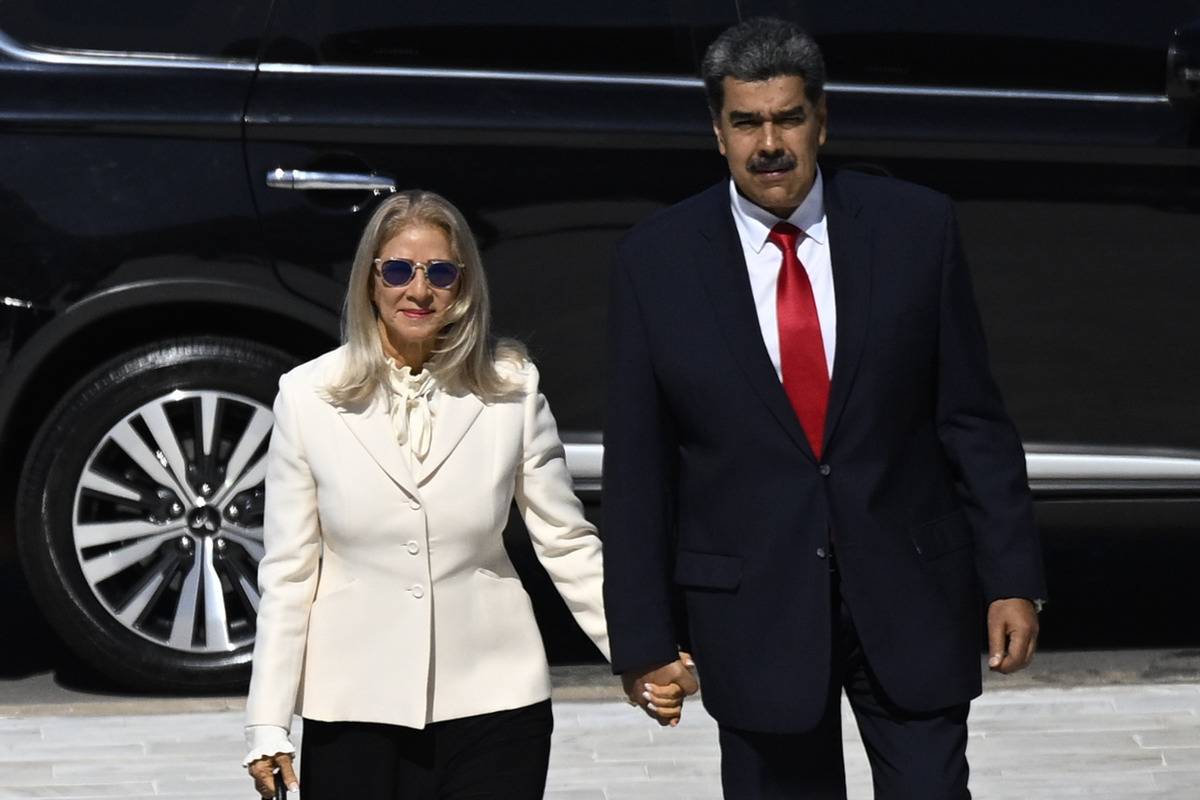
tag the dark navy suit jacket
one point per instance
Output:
(712, 491)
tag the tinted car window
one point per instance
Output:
(626, 36)
(227, 28)
(1086, 46)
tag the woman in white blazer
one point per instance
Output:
(391, 618)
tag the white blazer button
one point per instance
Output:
(417, 591)
(414, 548)
(414, 505)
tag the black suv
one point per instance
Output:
(182, 185)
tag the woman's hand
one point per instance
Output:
(664, 702)
(262, 769)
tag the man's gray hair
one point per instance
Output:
(759, 49)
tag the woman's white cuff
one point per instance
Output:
(265, 741)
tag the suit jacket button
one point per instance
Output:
(415, 505)
(820, 552)
(824, 469)
(418, 591)
(414, 548)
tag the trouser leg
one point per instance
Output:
(365, 761)
(499, 756)
(913, 756)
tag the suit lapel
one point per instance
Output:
(372, 427)
(722, 269)
(850, 249)
(453, 416)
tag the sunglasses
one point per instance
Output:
(396, 272)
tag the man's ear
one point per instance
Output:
(823, 118)
(716, 123)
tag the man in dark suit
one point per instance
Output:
(804, 438)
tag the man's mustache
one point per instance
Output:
(778, 163)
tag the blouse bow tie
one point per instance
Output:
(412, 416)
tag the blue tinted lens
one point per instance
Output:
(442, 274)
(397, 272)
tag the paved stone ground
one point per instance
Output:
(1102, 743)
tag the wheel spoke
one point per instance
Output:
(216, 624)
(133, 610)
(104, 566)
(249, 479)
(128, 440)
(253, 546)
(254, 532)
(184, 625)
(250, 591)
(168, 445)
(93, 534)
(208, 422)
(104, 485)
(256, 431)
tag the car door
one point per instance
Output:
(554, 127)
(126, 226)
(1070, 142)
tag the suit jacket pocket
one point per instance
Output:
(487, 573)
(328, 587)
(942, 535)
(707, 570)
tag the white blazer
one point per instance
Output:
(387, 595)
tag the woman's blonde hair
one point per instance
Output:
(465, 353)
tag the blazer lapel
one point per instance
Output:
(452, 417)
(723, 272)
(849, 242)
(372, 427)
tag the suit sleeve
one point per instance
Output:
(566, 544)
(287, 573)
(640, 455)
(981, 441)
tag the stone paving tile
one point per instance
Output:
(15, 737)
(75, 771)
(1183, 758)
(1179, 779)
(122, 790)
(26, 773)
(1168, 739)
(39, 750)
(234, 785)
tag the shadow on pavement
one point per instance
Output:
(32, 647)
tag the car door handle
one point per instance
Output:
(280, 178)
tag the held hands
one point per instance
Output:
(660, 690)
(264, 781)
(1012, 634)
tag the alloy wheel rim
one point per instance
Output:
(167, 519)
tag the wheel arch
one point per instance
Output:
(119, 318)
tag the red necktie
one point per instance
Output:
(801, 348)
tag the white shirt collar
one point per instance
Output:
(754, 223)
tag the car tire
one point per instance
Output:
(139, 512)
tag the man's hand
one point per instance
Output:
(264, 781)
(1012, 634)
(659, 690)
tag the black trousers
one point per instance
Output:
(913, 756)
(499, 756)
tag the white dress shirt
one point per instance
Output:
(764, 259)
